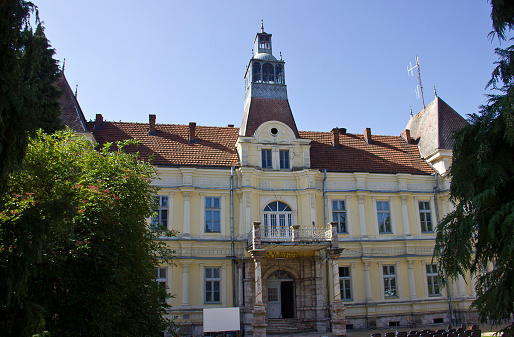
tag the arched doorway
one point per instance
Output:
(281, 295)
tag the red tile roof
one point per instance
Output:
(215, 147)
(261, 110)
(71, 114)
(433, 127)
(170, 146)
(386, 154)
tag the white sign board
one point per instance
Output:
(221, 319)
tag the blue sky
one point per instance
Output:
(346, 61)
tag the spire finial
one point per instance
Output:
(63, 65)
(262, 26)
(76, 89)
(411, 110)
(435, 92)
(280, 56)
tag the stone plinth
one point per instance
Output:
(338, 319)
(259, 321)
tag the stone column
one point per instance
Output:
(405, 214)
(296, 233)
(222, 215)
(393, 217)
(240, 284)
(349, 217)
(367, 281)
(337, 310)
(202, 214)
(322, 324)
(462, 286)
(185, 284)
(256, 235)
(362, 215)
(259, 311)
(473, 285)
(412, 281)
(187, 213)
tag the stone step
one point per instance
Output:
(287, 326)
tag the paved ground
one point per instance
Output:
(486, 331)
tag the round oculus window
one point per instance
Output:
(274, 131)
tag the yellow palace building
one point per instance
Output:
(322, 231)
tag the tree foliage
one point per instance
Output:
(27, 73)
(77, 257)
(479, 235)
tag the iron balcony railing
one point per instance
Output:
(295, 233)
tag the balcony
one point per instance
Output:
(292, 238)
(285, 234)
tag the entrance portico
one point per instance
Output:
(284, 280)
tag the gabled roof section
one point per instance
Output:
(386, 154)
(71, 113)
(261, 110)
(170, 145)
(433, 127)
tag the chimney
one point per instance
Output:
(192, 132)
(335, 138)
(151, 131)
(98, 121)
(406, 135)
(367, 135)
(342, 131)
(231, 125)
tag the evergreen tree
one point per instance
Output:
(479, 235)
(27, 74)
(77, 257)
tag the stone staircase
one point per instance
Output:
(285, 327)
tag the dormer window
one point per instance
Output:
(265, 42)
(266, 159)
(284, 159)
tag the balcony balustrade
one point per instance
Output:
(295, 233)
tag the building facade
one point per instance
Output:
(322, 231)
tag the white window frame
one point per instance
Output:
(269, 159)
(390, 280)
(343, 286)
(433, 283)
(342, 203)
(383, 212)
(284, 160)
(162, 278)
(213, 211)
(212, 281)
(157, 218)
(427, 212)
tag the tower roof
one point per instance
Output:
(261, 110)
(71, 113)
(433, 127)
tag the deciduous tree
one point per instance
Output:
(77, 257)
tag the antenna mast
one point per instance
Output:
(409, 71)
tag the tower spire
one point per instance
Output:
(262, 26)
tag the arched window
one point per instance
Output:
(279, 74)
(278, 218)
(268, 73)
(256, 77)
